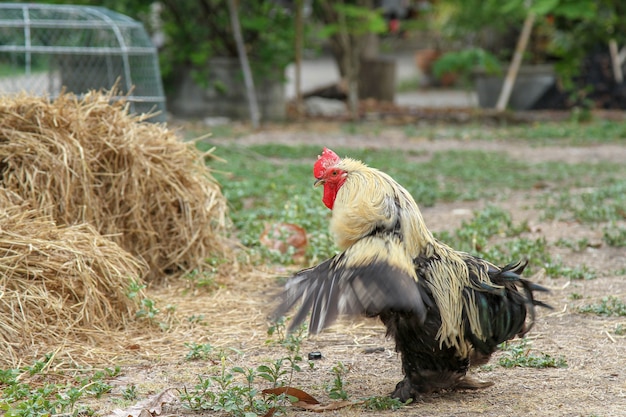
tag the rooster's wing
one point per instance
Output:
(370, 277)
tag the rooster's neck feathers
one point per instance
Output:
(371, 201)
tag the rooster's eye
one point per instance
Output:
(334, 173)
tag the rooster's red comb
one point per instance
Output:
(327, 159)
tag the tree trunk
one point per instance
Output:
(299, 26)
(349, 50)
(245, 65)
(377, 79)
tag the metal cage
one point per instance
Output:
(45, 48)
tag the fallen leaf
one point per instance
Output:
(149, 407)
(319, 408)
(308, 402)
(302, 396)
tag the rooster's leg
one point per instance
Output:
(427, 366)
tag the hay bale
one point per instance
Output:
(58, 285)
(90, 161)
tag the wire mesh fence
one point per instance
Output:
(47, 48)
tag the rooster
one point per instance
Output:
(446, 310)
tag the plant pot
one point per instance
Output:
(424, 61)
(532, 82)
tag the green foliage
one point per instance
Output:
(206, 277)
(197, 352)
(577, 246)
(357, 20)
(291, 341)
(465, 61)
(519, 355)
(384, 403)
(564, 30)
(147, 307)
(602, 203)
(130, 393)
(138, 9)
(234, 394)
(477, 236)
(568, 133)
(279, 191)
(336, 389)
(608, 306)
(234, 390)
(198, 30)
(27, 392)
(614, 236)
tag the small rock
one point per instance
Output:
(314, 356)
(318, 106)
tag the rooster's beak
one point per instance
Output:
(318, 182)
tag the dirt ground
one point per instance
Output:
(593, 383)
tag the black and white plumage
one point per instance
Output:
(446, 310)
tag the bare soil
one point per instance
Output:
(593, 383)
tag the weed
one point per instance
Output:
(203, 279)
(135, 289)
(292, 342)
(39, 365)
(280, 192)
(147, 307)
(609, 306)
(577, 246)
(197, 352)
(384, 403)
(476, 235)
(578, 272)
(336, 389)
(234, 390)
(519, 355)
(225, 392)
(130, 392)
(620, 329)
(604, 202)
(575, 296)
(614, 236)
(19, 398)
(9, 376)
(199, 319)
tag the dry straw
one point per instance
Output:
(91, 198)
(90, 161)
(58, 283)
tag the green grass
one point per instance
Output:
(519, 354)
(273, 183)
(565, 133)
(32, 391)
(614, 236)
(602, 199)
(608, 306)
(561, 133)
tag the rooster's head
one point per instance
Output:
(330, 175)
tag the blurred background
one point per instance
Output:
(272, 60)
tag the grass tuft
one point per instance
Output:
(608, 306)
(519, 355)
